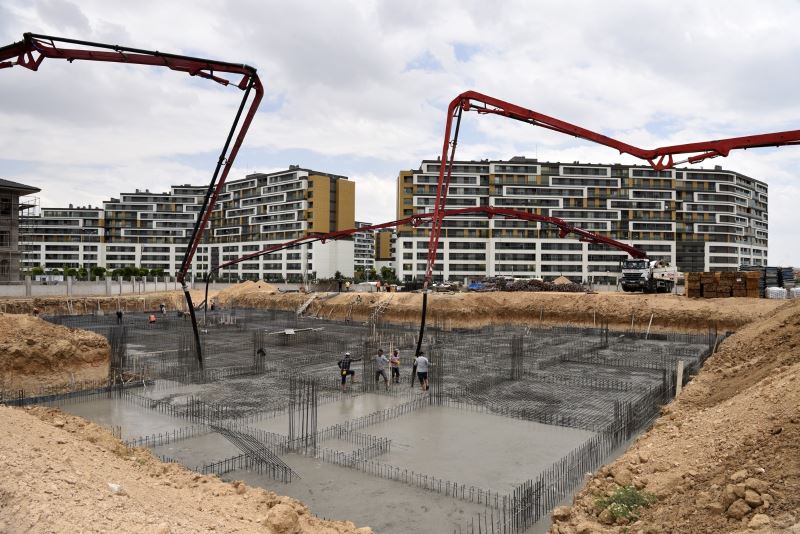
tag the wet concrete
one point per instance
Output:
(199, 450)
(134, 421)
(568, 376)
(347, 408)
(483, 450)
(388, 507)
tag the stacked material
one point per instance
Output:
(711, 285)
(762, 283)
(776, 293)
(794, 293)
(771, 277)
(786, 277)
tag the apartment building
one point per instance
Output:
(385, 241)
(697, 219)
(264, 209)
(151, 230)
(14, 199)
(364, 247)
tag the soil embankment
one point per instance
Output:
(174, 300)
(469, 310)
(723, 457)
(36, 354)
(620, 310)
(64, 474)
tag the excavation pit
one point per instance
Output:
(513, 418)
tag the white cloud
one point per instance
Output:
(338, 84)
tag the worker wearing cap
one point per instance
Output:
(344, 369)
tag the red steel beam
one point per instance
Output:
(415, 220)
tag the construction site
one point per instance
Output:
(515, 416)
(539, 411)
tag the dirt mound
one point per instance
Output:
(724, 457)
(174, 300)
(35, 354)
(469, 310)
(244, 293)
(64, 474)
(621, 310)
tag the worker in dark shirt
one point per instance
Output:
(344, 369)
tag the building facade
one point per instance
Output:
(151, 230)
(697, 219)
(363, 248)
(12, 203)
(385, 253)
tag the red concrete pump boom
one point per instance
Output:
(658, 158)
(34, 49)
(420, 218)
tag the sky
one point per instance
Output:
(361, 89)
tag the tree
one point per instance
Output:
(36, 271)
(358, 274)
(71, 271)
(388, 274)
(337, 275)
(83, 273)
(97, 272)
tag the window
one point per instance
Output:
(5, 238)
(5, 206)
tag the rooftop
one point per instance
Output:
(16, 186)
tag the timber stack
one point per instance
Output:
(711, 285)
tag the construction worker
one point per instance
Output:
(421, 364)
(380, 368)
(152, 319)
(344, 369)
(394, 362)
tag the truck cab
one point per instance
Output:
(648, 276)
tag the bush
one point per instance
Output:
(625, 502)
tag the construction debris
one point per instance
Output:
(562, 284)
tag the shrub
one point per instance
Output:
(625, 502)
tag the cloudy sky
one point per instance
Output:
(360, 88)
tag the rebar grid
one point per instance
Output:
(610, 382)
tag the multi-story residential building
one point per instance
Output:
(697, 219)
(12, 202)
(364, 247)
(59, 238)
(265, 209)
(385, 249)
(151, 230)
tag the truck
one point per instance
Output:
(649, 276)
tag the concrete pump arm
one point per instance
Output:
(34, 49)
(658, 158)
